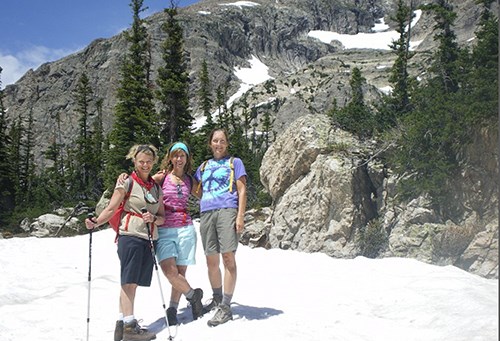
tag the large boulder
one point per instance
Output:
(327, 187)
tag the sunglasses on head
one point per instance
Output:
(144, 148)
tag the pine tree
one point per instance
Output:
(445, 60)
(81, 179)
(481, 104)
(6, 171)
(205, 94)
(197, 141)
(98, 143)
(246, 114)
(26, 173)
(15, 136)
(173, 83)
(397, 103)
(221, 104)
(135, 116)
(433, 133)
(53, 176)
(356, 117)
(268, 134)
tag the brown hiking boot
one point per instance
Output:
(133, 332)
(119, 330)
(196, 305)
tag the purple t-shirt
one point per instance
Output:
(175, 200)
(215, 182)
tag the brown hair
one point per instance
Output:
(223, 130)
(166, 162)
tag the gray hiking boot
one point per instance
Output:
(119, 330)
(172, 316)
(196, 305)
(222, 315)
(216, 300)
(133, 332)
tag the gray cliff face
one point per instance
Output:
(322, 186)
(308, 74)
(326, 186)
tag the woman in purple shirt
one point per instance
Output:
(222, 207)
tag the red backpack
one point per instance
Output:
(116, 219)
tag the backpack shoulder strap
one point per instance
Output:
(131, 183)
(122, 204)
(164, 172)
(231, 176)
(190, 177)
(202, 168)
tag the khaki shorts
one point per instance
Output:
(218, 231)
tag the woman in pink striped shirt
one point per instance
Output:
(176, 245)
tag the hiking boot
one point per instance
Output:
(196, 305)
(222, 315)
(119, 330)
(172, 316)
(216, 300)
(133, 332)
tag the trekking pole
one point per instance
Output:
(153, 254)
(90, 216)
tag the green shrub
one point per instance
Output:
(371, 239)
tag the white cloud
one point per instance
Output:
(15, 66)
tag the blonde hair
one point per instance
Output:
(142, 148)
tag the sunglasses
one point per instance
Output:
(179, 191)
(149, 198)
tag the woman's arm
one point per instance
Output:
(194, 188)
(107, 213)
(159, 176)
(160, 215)
(241, 186)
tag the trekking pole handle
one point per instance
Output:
(145, 210)
(91, 217)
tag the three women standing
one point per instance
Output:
(222, 180)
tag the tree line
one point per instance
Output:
(147, 112)
(423, 123)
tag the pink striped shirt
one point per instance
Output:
(175, 199)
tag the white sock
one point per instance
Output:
(128, 318)
(120, 317)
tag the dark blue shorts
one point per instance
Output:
(136, 261)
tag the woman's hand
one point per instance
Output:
(91, 223)
(121, 179)
(148, 217)
(240, 224)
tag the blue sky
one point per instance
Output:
(34, 31)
